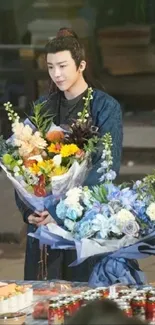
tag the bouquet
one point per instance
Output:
(112, 224)
(43, 160)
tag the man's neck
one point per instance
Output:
(77, 89)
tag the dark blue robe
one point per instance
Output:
(107, 116)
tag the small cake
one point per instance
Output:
(3, 305)
(15, 298)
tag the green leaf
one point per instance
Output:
(41, 119)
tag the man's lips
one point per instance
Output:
(59, 82)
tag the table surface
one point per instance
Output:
(40, 284)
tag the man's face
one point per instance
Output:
(62, 69)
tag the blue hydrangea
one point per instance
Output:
(139, 207)
(127, 198)
(71, 214)
(83, 230)
(89, 215)
(61, 210)
(113, 192)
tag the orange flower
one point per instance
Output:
(29, 162)
(80, 154)
(34, 152)
(55, 136)
(54, 148)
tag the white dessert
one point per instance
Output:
(4, 307)
(17, 300)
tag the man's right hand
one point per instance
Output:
(35, 218)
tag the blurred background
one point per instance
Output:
(119, 37)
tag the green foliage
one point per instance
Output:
(149, 182)
(3, 146)
(100, 193)
(41, 119)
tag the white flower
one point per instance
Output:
(21, 131)
(122, 217)
(26, 140)
(73, 204)
(73, 196)
(151, 211)
(36, 157)
(71, 201)
(69, 224)
(16, 174)
(79, 210)
(38, 141)
(77, 191)
(57, 159)
(16, 169)
(20, 162)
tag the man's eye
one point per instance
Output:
(62, 66)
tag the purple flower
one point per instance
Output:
(137, 184)
(127, 198)
(139, 207)
(102, 178)
(131, 228)
(112, 192)
(100, 208)
(111, 175)
(89, 215)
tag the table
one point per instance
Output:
(39, 284)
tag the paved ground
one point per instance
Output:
(12, 227)
(11, 262)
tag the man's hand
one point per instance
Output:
(35, 218)
(40, 218)
(47, 218)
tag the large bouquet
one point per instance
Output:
(43, 160)
(114, 224)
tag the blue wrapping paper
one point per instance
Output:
(114, 267)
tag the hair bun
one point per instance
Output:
(64, 31)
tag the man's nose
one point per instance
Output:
(57, 72)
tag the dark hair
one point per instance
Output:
(64, 31)
(104, 312)
(69, 43)
(67, 39)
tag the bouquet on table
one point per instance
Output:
(43, 160)
(112, 224)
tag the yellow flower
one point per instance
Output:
(69, 150)
(34, 169)
(57, 171)
(54, 148)
(45, 166)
